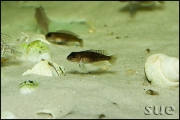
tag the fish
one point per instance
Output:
(8, 49)
(135, 5)
(42, 20)
(3, 59)
(63, 37)
(91, 56)
(143, 3)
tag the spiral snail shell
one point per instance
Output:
(162, 70)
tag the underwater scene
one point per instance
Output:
(92, 60)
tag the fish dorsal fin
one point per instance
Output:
(103, 52)
(40, 7)
(4, 38)
(2, 34)
(67, 32)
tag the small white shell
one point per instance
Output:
(48, 112)
(46, 68)
(162, 70)
(7, 115)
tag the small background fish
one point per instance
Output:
(63, 37)
(42, 20)
(134, 6)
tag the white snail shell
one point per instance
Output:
(7, 115)
(162, 70)
(46, 68)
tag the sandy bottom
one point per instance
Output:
(117, 93)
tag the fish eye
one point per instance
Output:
(48, 35)
(73, 55)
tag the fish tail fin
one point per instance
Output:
(18, 54)
(15, 51)
(113, 59)
(42, 20)
(81, 42)
(3, 59)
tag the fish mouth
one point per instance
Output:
(68, 58)
(71, 59)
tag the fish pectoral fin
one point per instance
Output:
(82, 66)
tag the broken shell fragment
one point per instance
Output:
(47, 112)
(7, 115)
(152, 92)
(162, 70)
(46, 68)
(27, 87)
(59, 70)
